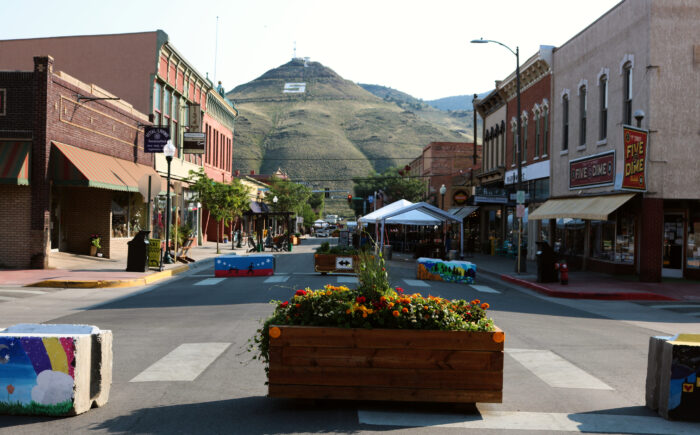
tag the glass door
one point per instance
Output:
(673, 246)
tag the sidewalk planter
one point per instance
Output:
(325, 263)
(435, 269)
(244, 265)
(54, 370)
(673, 376)
(313, 362)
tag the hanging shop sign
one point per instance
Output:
(460, 197)
(155, 138)
(635, 149)
(193, 143)
(195, 118)
(592, 171)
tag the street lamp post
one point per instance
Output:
(169, 152)
(520, 266)
(443, 190)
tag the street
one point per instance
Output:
(181, 363)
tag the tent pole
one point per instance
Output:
(381, 245)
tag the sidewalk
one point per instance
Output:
(582, 285)
(82, 271)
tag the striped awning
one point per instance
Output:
(72, 166)
(595, 208)
(14, 162)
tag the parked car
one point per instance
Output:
(322, 232)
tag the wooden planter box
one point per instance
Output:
(311, 362)
(325, 263)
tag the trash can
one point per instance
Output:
(386, 252)
(545, 263)
(137, 254)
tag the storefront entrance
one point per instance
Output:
(674, 241)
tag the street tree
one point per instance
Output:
(290, 196)
(394, 185)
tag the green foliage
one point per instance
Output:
(290, 196)
(316, 201)
(34, 408)
(390, 182)
(372, 276)
(308, 214)
(326, 248)
(184, 232)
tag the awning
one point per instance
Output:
(72, 166)
(14, 162)
(596, 208)
(463, 212)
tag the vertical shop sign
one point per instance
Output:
(635, 151)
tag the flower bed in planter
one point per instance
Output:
(336, 259)
(383, 364)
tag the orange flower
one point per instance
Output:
(404, 310)
(364, 314)
(297, 305)
(485, 306)
(395, 313)
(476, 302)
(382, 299)
(390, 305)
(426, 308)
(427, 316)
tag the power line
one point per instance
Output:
(349, 158)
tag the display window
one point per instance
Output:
(613, 240)
(128, 214)
(693, 242)
(569, 236)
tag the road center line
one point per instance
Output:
(555, 370)
(184, 363)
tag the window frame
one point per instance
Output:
(603, 108)
(565, 122)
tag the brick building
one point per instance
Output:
(71, 157)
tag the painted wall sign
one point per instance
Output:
(460, 197)
(155, 139)
(596, 170)
(193, 143)
(635, 152)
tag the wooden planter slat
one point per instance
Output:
(313, 336)
(381, 364)
(392, 394)
(390, 358)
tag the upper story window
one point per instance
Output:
(166, 103)
(627, 93)
(545, 130)
(536, 111)
(565, 122)
(603, 104)
(523, 143)
(514, 130)
(583, 106)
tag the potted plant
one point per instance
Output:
(380, 343)
(335, 259)
(94, 244)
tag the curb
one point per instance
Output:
(149, 279)
(617, 296)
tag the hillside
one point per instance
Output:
(458, 102)
(325, 132)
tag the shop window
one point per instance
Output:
(693, 244)
(128, 214)
(569, 236)
(613, 240)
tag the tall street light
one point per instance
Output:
(443, 190)
(169, 152)
(521, 264)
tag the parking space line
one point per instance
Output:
(555, 371)
(184, 363)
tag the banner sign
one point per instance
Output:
(154, 250)
(193, 143)
(155, 138)
(596, 170)
(460, 197)
(635, 149)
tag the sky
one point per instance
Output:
(418, 47)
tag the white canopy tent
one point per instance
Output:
(407, 213)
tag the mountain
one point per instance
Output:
(307, 120)
(459, 102)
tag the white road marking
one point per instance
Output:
(555, 370)
(184, 363)
(277, 279)
(416, 283)
(484, 289)
(210, 281)
(348, 279)
(31, 292)
(672, 306)
(7, 298)
(532, 421)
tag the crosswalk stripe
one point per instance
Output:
(184, 363)
(7, 298)
(30, 292)
(484, 289)
(348, 279)
(210, 281)
(416, 283)
(532, 421)
(672, 306)
(555, 370)
(277, 279)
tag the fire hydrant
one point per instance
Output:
(564, 271)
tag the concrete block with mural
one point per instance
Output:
(54, 370)
(673, 376)
(451, 271)
(244, 265)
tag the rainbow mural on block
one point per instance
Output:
(36, 371)
(451, 271)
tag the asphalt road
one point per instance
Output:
(570, 365)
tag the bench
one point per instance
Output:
(184, 250)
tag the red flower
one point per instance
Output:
(10, 388)
(399, 290)
(360, 299)
(284, 304)
(300, 292)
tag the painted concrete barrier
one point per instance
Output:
(451, 271)
(244, 265)
(673, 376)
(54, 370)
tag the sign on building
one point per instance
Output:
(194, 143)
(635, 152)
(195, 118)
(294, 88)
(591, 171)
(155, 138)
(460, 197)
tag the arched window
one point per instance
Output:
(583, 105)
(565, 122)
(627, 93)
(603, 108)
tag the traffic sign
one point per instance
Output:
(520, 197)
(514, 197)
(520, 210)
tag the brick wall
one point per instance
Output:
(14, 230)
(85, 211)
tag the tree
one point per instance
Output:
(308, 214)
(316, 201)
(393, 185)
(290, 196)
